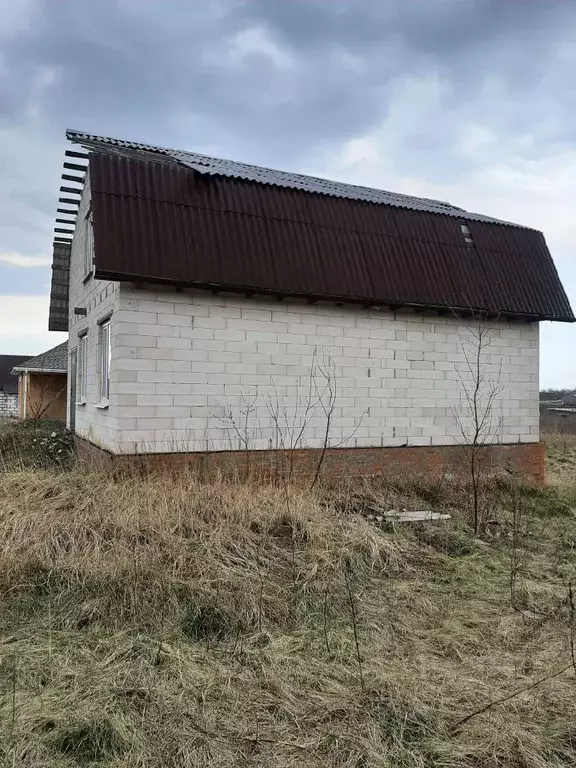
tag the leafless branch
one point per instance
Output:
(571, 618)
(494, 703)
(354, 623)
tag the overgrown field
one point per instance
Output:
(160, 623)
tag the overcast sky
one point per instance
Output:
(470, 101)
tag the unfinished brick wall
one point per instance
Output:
(526, 460)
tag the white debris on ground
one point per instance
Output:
(407, 516)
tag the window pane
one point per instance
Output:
(79, 372)
(81, 369)
(84, 367)
(105, 361)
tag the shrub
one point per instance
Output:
(33, 444)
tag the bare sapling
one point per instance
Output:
(291, 423)
(327, 401)
(476, 417)
(571, 619)
(239, 426)
(354, 619)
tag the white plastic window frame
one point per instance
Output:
(104, 356)
(82, 369)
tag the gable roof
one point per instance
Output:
(55, 360)
(9, 382)
(182, 218)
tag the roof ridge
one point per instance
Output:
(207, 164)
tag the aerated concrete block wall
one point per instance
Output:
(192, 371)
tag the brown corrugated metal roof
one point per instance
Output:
(159, 219)
(237, 170)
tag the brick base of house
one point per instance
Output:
(527, 460)
(8, 405)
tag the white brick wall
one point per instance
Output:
(8, 405)
(187, 365)
(99, 297)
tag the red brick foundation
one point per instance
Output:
(524, 459)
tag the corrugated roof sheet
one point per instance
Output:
(55, 359)
(159, 218)
(237, 170)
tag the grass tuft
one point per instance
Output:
(448, 541)
(89, 742)
(210, 623)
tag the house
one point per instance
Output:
(558, 414)
(228, 312)
(42, 384)
(9, 385)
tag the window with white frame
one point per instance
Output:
(89, 246)
(82, 369)
(104, 361)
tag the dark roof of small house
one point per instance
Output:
(9, 382)
(181, 218)
(55, 360)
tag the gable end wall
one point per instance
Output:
(100, 299)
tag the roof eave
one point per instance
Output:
(352, 300)
(16, 371)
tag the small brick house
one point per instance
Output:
(42, 384)
(217, 309)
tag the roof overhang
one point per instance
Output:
(315, 298)
(74, 176)
(529, 291)
(17, 371)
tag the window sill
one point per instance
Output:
(102, 405)
(80, 402)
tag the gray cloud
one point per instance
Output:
(275, 80)
(279, 82)
(115, 63)
(182, 73)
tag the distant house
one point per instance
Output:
(211, 305)
(558, 414)
(9, 385)
(42, 384)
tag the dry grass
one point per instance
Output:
(160, 623)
